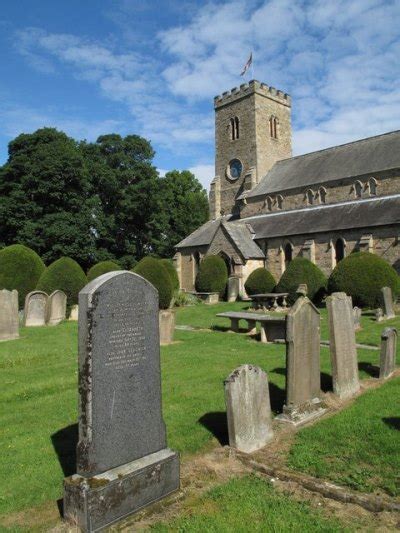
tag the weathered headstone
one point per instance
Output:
(388, 352)
(248, 408)
(73, 314)
(357, 318)
(302, 289)
(167, 325)
(123, 462)
(379, 315)
(233, 288)
(342, 345)
(388, 302)
(56, 308)
(35, 310)
(303, 378)
(9, 318)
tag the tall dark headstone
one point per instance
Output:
(123, 462)
(388, 352)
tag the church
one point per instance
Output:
(267, 207)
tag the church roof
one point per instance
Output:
(242, 235)
(365, 156)
(201, 236)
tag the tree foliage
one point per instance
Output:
(101, 268)
(260, 281)
(302, 270)
(212, 275)
(155, 272)
(65, 275)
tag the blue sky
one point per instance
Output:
(153, 67)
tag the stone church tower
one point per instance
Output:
(252, 132)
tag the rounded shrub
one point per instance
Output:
(362, 275)
(212, 275)
(20, 269)
(65, 275)
(260, 281)
(169, 265)
(102, 268)
(154, 271)
(301, 270)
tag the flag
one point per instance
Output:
(247, 65)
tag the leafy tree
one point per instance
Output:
(185, 206)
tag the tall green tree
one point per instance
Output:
(185, 208)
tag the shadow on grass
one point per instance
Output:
(368, 368)
(216, 327)
(393, 422)
(326, 380)
(216, 423)
(64, 443)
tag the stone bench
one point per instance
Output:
(273, 328)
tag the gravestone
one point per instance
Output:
(388, 302)
(233, 288)
(73, 315)
(56, 308)
(35, 310)
(388, 352)
(303, 378)
(357, 318)
(9, 318)
(379, 315)
(248, 408)
(302, 289)
(167, 325)
(342, 345)
(123, 463)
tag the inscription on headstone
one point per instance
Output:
(303, 378)
(56, 307)
(342, 345)
(388, 352)
(35, 310)
(122, 439)
(388, 302)
(9, 318)
(248, 408)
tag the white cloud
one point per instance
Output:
(204, 173)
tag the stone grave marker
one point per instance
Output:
(379, 315)
(56, 308)
(123, 462)
(342, 345)
(35, 310)
(303, 378)
(302, 289)
(388, 352)
(248, 408)
(9, 317)
(388, 302)
(233, 288)
(357, 318)
(73, 315)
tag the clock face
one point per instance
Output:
(235, 169)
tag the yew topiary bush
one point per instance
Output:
(212, 275)
(155, 272)
(20, 269)
(102, 268)
(301, 270)
(169, 265)
(260, 281)
(66, 275)
(362, 275)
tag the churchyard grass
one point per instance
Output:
(38, 396)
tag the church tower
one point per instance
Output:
(252, 132)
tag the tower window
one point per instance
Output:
(288, 253)
(339, 250)
(234, 128)
(273, 127)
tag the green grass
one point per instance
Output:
(38, 396)
(249, 504)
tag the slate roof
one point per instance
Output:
(365, 156)
(201, 236)
(242, 236)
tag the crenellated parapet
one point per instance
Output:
(254, 86)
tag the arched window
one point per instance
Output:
(288, 253)
(279, 201)
(196, 259)
(310, 197)
(372, 184)
(339, 250)
(268, 203)
(273, 127)
(322, 195)
(358, 189)
(234, 128)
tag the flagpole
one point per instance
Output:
(252, 65)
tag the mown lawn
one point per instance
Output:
(38, 396)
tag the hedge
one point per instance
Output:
(20, 269)
(362, 275)
(102, 268)
(169, 265)
(212, 275)
(66, 275)
(302, 270)
(155, 272)
(260, 281)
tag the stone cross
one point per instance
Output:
(123, 462)
(35, 310)
(388, 302)
(357, 318)
(388, 352)
(342, 345)
(9, 318)
(248, 408)
(56, 308)
(303, 378)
